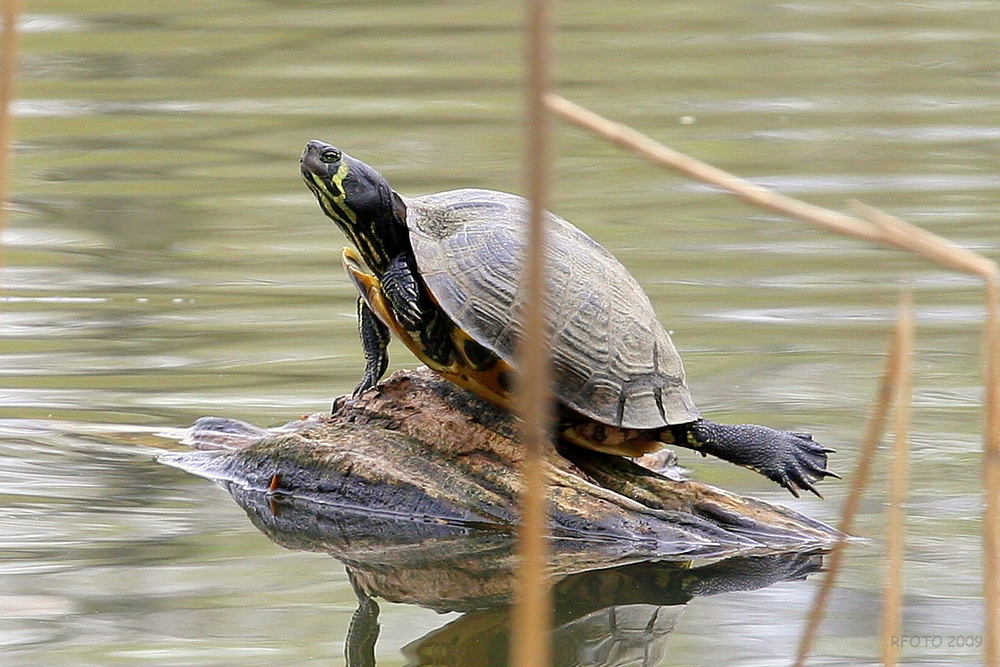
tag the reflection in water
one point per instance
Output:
(605, 614)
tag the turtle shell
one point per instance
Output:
(612, 359)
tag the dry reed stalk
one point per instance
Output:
(892, 604)
(991, 479)
(886, 229)
(531, 617)
(906, 236)
(874, 429)
(8, 68)
(626, 137)
(880, 228)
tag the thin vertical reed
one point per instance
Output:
(991, 478)
(859, 483)
(8, 68)
(892, 605)
(531, 616)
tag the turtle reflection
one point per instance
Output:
(610, 609)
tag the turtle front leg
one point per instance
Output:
(793, 460)
(375, 334)
(402, 292)
(412, 311)
(375, 339)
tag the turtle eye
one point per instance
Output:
(329, 155)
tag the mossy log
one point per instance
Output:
(421, 450)
(414, 487)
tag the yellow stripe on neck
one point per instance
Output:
(341, 199)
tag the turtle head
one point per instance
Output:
(358, 199)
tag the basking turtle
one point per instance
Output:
(441, 273)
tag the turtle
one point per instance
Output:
(441, 271)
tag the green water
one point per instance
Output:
(163, 261)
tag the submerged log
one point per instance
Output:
(414, 487)
(419, 448)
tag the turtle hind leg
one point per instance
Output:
(793, 460)
(606, 439)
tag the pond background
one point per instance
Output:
(163, 261)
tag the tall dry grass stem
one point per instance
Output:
(892, 603)
(8, 70)
(531, 619)
(991, 476)
(874, 429)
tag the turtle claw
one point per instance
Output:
(786, 483)
(801, 484)
(339, 403)
(348, 400)
(802, 462)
